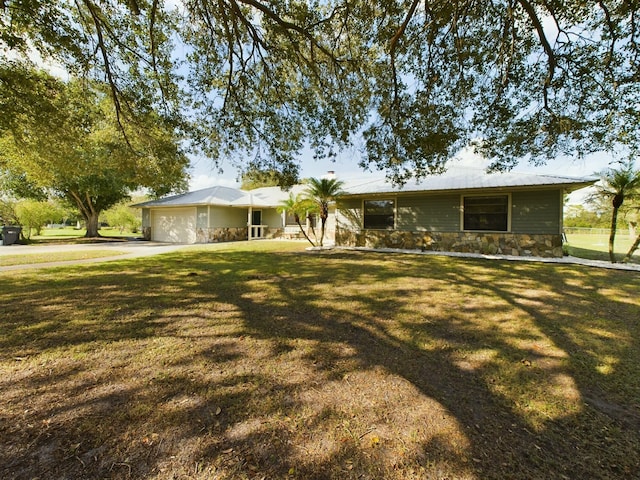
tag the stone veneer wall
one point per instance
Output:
(229, 234)
(146, 233)
(274, 233)
(537, 245)
(221, 234)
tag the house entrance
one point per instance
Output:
(256, 217)
(256, 229)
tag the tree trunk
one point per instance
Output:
(324, 214)
(323, 221)
(612, 234)
(92, 225)
(633, 248)
(303, 232)
(313, 230)
(88, 211)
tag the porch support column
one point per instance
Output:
(249, 217)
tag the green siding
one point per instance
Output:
(436, 213)
(532, 212)
(536, 212)
(225, 217)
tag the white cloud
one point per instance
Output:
(467, 158)
(201, 180)
(53, 67)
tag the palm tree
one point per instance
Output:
(618, 185)
(636, 243)
(322, 192)
(297, 205)
(631, 251)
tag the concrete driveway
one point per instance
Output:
(131, 249)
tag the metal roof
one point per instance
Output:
(218, 195)
(455, 179)
(275, 195)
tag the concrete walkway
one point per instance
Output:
(511, 258)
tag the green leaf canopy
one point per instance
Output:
(63, 138)
(410, 82)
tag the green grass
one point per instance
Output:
(34, 258)
(71, 233)
(57, 233)
(262, 360)
(596, 246)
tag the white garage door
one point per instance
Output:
(173, 225)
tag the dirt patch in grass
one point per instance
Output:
(231, 363)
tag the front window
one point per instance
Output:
(379, 214)
(290, 219)
(486, 213)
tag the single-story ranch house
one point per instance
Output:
(463, 210)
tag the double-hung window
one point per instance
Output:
(487, 213)
(380, 214)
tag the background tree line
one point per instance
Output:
(36, 215)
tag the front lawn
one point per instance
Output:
(596, 246)
(34, 258)
(263, 361)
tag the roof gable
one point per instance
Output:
(217, 195)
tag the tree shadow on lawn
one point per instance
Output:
(555, 357)
(332, 365)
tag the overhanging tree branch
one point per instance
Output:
(115, 93)
(153, 46)
(548, 49)
(612, 32)
(394, 44)
(289, 26)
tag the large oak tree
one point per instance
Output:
(411, 81)
(62, 138)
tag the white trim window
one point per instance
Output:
(379, 214)
(486, 213)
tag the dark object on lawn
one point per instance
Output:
(10, 235)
